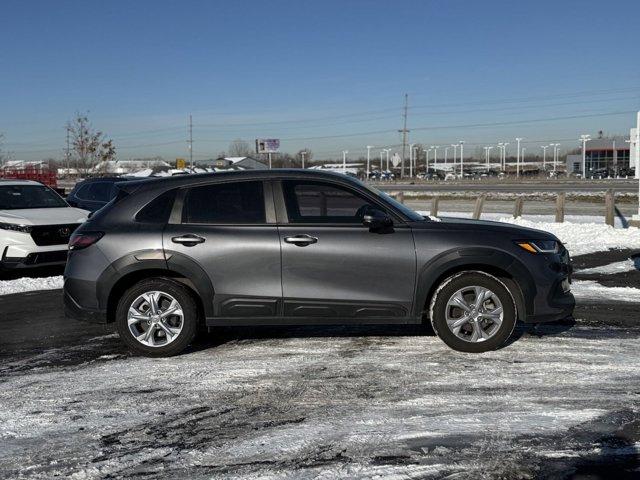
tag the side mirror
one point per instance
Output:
(377, 220)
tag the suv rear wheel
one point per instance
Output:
(473, 312)
(157, 317)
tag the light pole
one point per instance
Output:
(636, 218)
(344, 161)
(555, 155)
(584, 139)
(455, 156)
(411, 160)
(518, 157)
(544, 157)
(369, 147)
(302, 154)
(387, 150)
(504, 154)
(426, 162)
(522, 158)
(435, 154)
(446, 151)
(487, 151)
(461, 142)
(500, 147)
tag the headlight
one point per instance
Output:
(15, 227)
(540, 246)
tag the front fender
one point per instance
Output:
(432, 273)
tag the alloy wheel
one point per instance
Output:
(474, 314)
(155, 319)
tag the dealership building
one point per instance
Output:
(605, 156)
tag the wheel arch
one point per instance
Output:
(497, 263)
(129, 270)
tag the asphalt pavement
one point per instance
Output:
(559, 401)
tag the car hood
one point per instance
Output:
(44, 216)
(465, 224)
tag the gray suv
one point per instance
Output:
(292, 247)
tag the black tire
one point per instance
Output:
(460, 281)
(190, 316)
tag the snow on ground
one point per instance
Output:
(585, 237)
(593, 292)
(628, 265)
(26, 284)
(349, 405)
(580, 234)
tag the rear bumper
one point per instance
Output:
(74, 311)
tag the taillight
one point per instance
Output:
(82, 240)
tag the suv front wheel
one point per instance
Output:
(473, 312)
(157, 317)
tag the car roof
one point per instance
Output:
(11, 182)
(198, 178)
(103, 179)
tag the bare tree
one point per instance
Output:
(4, 156)
(88, 145)
(239, 148)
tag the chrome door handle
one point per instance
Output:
(301, 240)
(188, 240)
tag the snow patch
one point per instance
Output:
(628, 265)
(21, 285)
(589, 290)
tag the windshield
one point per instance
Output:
(412, 214)
(16, 197)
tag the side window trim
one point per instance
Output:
(283, 215)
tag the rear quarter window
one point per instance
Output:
(158, 210)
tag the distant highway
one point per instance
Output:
(630, 186)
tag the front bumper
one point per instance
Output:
(554, 300)
(17, 257)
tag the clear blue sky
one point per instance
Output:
(303, 69)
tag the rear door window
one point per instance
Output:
(225, 203)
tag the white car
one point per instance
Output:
(35, 225)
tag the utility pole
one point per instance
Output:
(344, 161)
(302, 154)
(369, 147)
(404, 132)
(190, 141)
